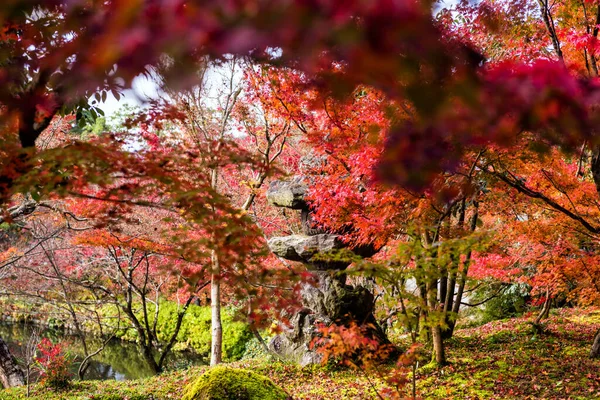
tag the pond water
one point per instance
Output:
(119, 360)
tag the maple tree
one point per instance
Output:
(109, 216)
(551, 189)
(225, 122)
(78, 37)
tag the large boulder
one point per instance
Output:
(334, 301)
(328, 300)
(294, 344)
(288, 194)
(311, 162)
(317, 251)
(224, 383)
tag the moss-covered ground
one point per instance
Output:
(508, 360)
(499, 360)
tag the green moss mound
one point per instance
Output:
(224, 383)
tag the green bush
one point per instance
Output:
(224, 383)
(506, 302)
(56, 323)
(196, 333)
(254, 349)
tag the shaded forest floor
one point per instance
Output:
(499, 360)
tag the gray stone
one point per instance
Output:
(288, 194)
(297, 352)
(333, 300)
(327, 299)
(309, 226)
(311, 162)
(311, 250)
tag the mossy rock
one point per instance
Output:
(224, 383)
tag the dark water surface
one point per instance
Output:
(119, 360)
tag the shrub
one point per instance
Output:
(54, 365)
(507, 301)
(224, 383)
(55, 323)
(254, 349)
(511, 303)
(195, 330)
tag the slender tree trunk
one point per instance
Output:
(144, 342)
(145, 345)
(85, 364)
(443, 286)
(78, 331)
(216, 344)
(437, 338)
(10, 372)
(595, 168)
(439, 354)
(545, 311)
(424, 333)
(462, 277)
(448, 300)
(149, 357)
(549, 22)
(595, 352)
(28, 378)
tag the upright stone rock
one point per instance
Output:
(288, 194)
(310, 250)
(328, 301)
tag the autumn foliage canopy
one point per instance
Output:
(460, 143)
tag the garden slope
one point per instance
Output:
(499, 360)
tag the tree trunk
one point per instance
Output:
(216, 342)
(545, 311)
(180, 316)
(10, 372)
(595, 352)
(549, 22)
(149, 357)
(461, 279)
(595, 167)
(424, 332)
(448, 300)
(146, 345)
(439, 354)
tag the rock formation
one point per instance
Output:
(330, 299)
